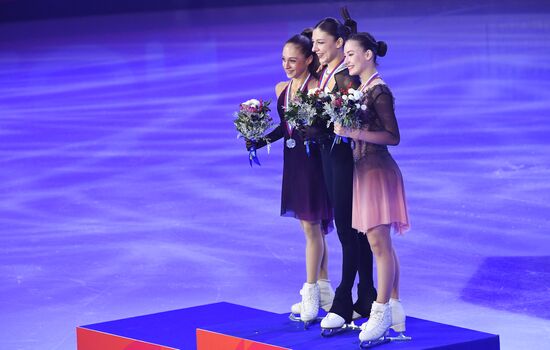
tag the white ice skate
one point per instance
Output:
(326, 297)
(375, 331)
(333, 324)
(398, 319)
(309, 306)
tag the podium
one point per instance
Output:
(226, 326)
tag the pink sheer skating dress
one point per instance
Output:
(378, 191)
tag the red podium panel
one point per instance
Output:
(170, 330)
(94, 340)
(207, 340)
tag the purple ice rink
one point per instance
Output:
(124, 190)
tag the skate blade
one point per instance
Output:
(384, 340)
(307, 324)
(294, 318)
(400, 337)
(372, 343)
(329, 332)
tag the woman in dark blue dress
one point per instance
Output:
(304, 195)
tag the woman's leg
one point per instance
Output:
(380, 243)
(395, 290)
(314, 249)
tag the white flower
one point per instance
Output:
(312, 91)
(357, 105)
(358, 95)
(352, 97)
(252, 102)
(344, 97)
(363, 107)
(351, 91)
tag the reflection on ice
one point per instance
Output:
(124, 190)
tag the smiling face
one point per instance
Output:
(294, 61)
(326, 46)
(356, 58)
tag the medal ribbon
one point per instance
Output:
(323, 82)
(363, 87)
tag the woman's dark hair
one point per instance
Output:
(304, 42)
(368, 42)
(334, 28)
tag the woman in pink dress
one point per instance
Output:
(379, 204)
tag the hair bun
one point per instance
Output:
(345, 31)
(382, 48)
(351, 25)
(348, 21)
(308, 32)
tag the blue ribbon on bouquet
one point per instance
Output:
(252, 156)
(307, 143)
(338, 139)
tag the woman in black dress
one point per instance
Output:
(304, 195)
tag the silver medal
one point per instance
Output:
(291, 143)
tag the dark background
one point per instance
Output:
(22, 10)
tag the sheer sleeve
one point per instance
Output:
(384, 106)
(381, 125)
(345, 81)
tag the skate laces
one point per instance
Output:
(309, 296)
(375, 319)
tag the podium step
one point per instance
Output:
(161, 331)
(225, 326)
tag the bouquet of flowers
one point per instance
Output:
(345, 108)
(252, 121)
(306, 108)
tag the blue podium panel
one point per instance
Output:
(278, 330)
(172, 329)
